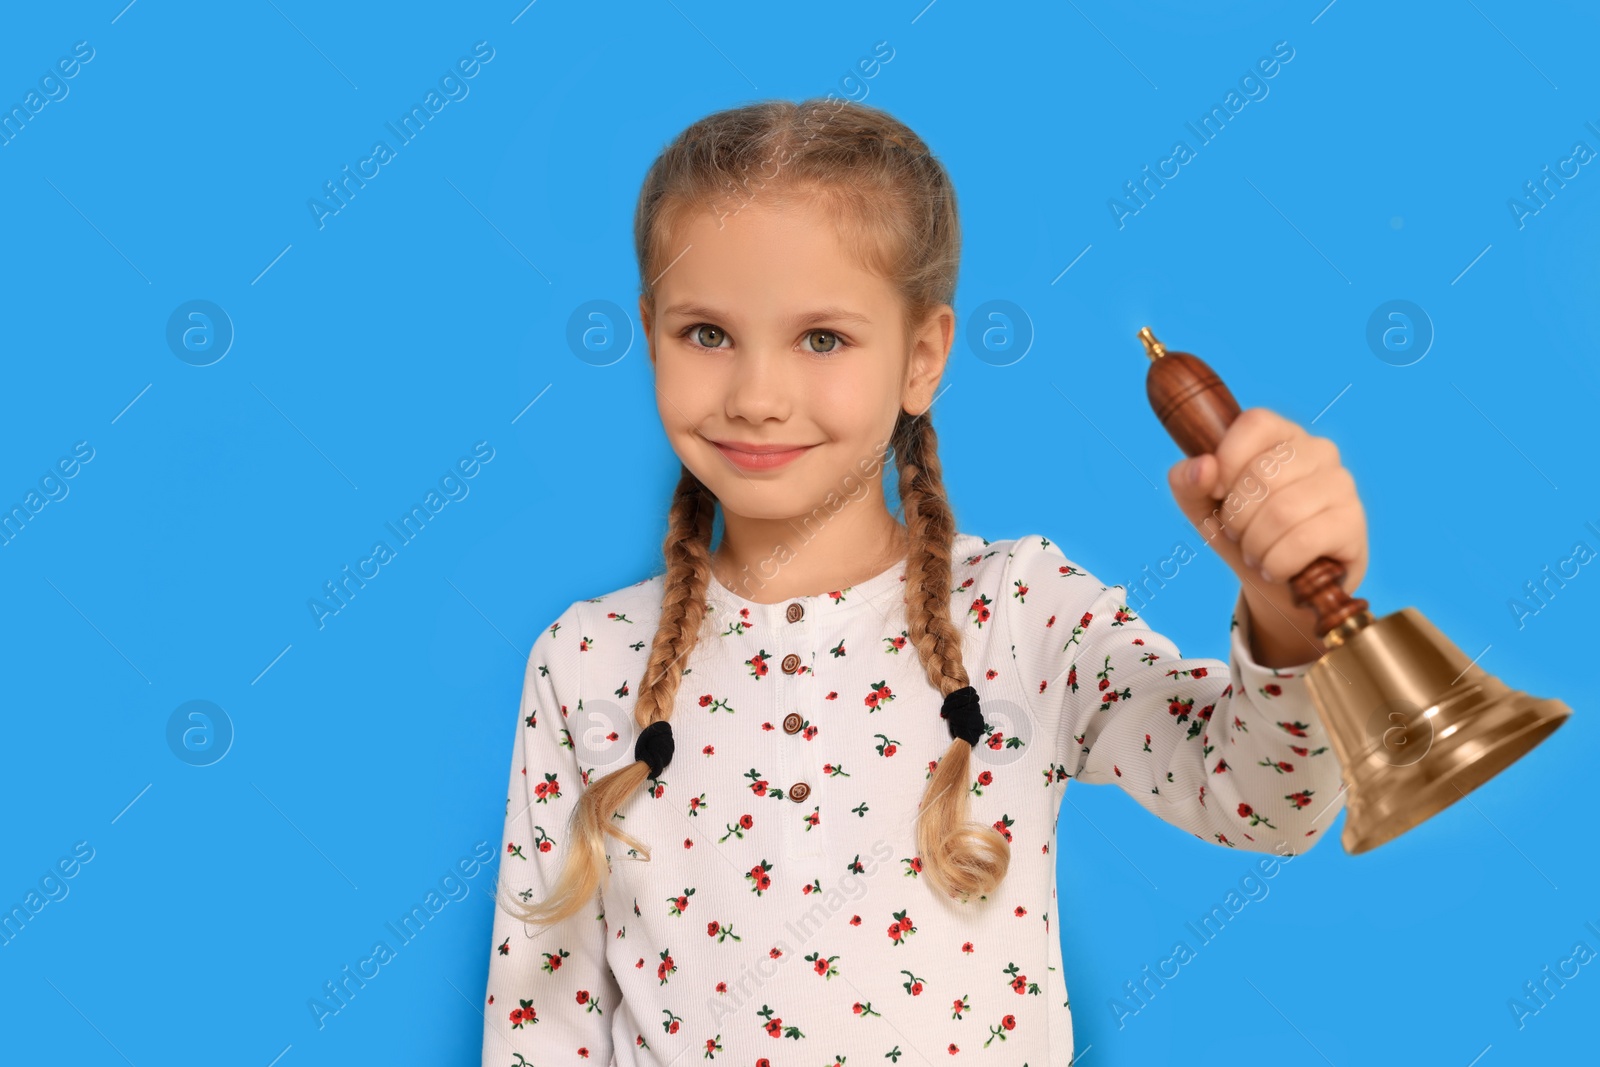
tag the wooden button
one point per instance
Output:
(799, 791)
(793, 723)
(791, 663)
(795, 611)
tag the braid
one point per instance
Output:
(683, 596)
(687, 548)
(932, 530)
(961, 857)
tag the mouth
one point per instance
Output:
(760, 457)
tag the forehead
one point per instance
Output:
(767, 260)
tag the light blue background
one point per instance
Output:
(428, 314)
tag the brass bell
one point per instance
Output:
(1415, 724)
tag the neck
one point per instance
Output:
(772, 560)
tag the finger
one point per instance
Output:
(1274, 470)
(1256, 430)
(1286, 506)
(1268, 472)
(1329, 532)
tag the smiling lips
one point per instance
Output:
(760, 457)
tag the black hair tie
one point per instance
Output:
(963, 715)
(654, 746)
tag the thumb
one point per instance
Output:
(1192, 481)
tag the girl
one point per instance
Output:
(792, 802)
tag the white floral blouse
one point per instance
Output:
(782, 919)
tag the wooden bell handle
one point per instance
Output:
(1197, 408)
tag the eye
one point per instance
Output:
(829, 344)
(705, 335)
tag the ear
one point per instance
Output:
(644, 325)
(930, 350)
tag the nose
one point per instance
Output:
(759, 385)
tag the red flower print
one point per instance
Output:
(746, 821)
(1198, 672)
(760, 881)
(1300, 799)
(1019, 981)
(966, 946)
(705, 700)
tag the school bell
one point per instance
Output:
(1416, 725)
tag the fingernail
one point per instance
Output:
(1249, 560)
(1194, 472)
(1265, 576)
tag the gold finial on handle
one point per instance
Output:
(1152, 348)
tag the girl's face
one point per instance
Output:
(767, 333)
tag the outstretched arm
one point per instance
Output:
(1233, 752)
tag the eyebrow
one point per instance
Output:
(834, 314)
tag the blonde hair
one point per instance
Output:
(896, 209)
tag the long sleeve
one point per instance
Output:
(550, 989)
(1235, 753)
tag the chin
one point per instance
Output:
(774, 502)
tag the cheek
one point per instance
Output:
(685, 391)
(857, 396)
